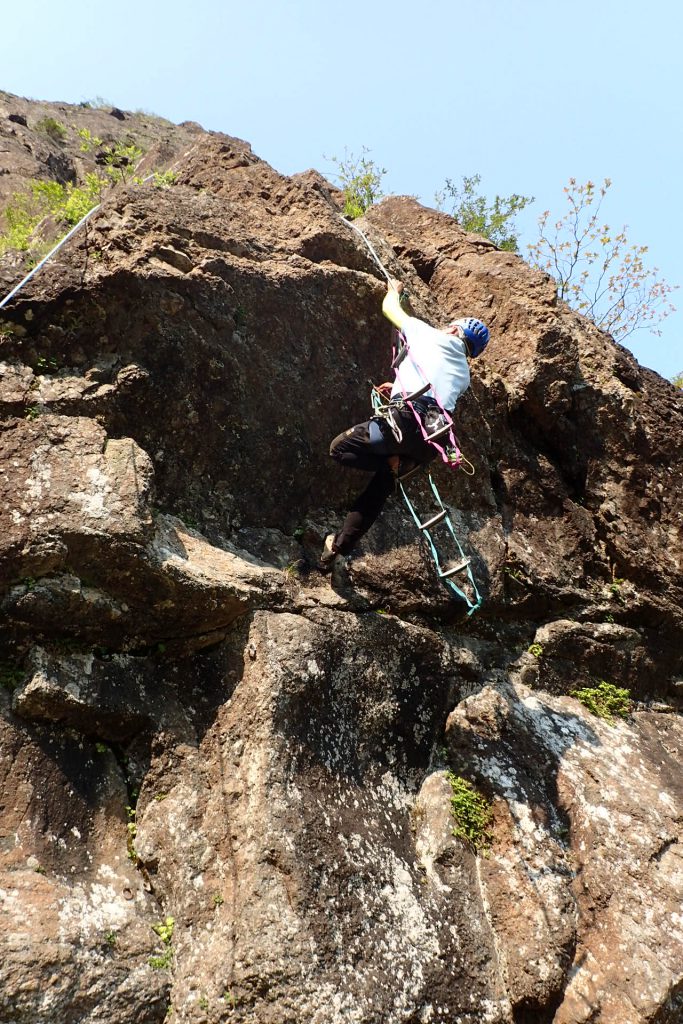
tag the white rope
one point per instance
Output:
(73, 231)
(49, 256)
(372, 251)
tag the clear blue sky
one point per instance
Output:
(526, 94)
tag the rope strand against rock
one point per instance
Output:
(367, 242)
(72, 232)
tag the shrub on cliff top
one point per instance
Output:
(473, 212)
(360, 180)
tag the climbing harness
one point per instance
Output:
(438, 432)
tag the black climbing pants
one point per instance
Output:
(367, 446)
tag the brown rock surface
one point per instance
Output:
(168, 389)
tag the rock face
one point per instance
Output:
(197, 726)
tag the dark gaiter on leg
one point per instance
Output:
(365, 510)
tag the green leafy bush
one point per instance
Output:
(164, 179)
(53, 128)
(164, 930)
(65, 204)
(474, 212)
(605, 700)
(120, 158)
(471, 811)
(360, 180)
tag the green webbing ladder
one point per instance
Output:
(439, 517)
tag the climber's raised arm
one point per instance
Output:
(391, 307)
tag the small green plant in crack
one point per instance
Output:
(605, 700)
(514, 574)
(536, 650)
(33, 412)
(615, 589)
(132, 831)
(131, 814)
(164, 930)
(472, 813)
(163, 961)
(218, 900)
(240, 318)
(111, 939)
(52, 128)
(203, 1003)
(164, 179)
(11, 676)
(46, 365)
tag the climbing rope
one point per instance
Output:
(49, 256)
(367, 242)
(73, 231)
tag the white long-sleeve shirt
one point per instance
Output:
(434, 357)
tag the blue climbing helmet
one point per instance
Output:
(476, 334)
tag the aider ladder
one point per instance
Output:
(448, 568)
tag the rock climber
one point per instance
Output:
(435, 356)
